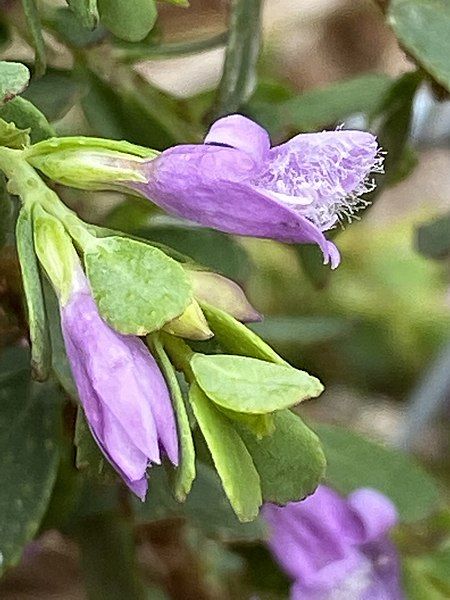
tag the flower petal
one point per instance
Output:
(242, 133)
(207, 184)
(376, 512)
(332, 163)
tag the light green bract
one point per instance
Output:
(232, 460)
(249, 385)
(137, 287)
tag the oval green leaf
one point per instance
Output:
(14, 78)
(355, 462)
(249, 385)
(137, 287)
(128, 21)
(231, 458)
(290, 462)
(423, 28)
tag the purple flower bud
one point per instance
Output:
(123, 393)
(237, 183)
(336, 548)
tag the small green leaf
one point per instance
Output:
(236, 338)
(433, 238)
(26, 116)
(290, 462)
(54, 94)
(185, 472)
(325, 107)
(14, 78)
(355, 462)
(231, 458)
(35, 30)
(137, 287)
(423, 29)
(37, 317)
(131, 22)
(249, 385)
(213, 249)
(86, 11)
(29, 432)
(13, 137)
(69, 29)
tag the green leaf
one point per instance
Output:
(26, 116)
(355, 462)
(239, 71)
(86, 11)
(89, 457)
(206, 507)
(213, 249)
(131, 22)
(13, 137)
(249, 385)
(231, 458)
(423, 29)
(325, 107)
(14, 78)
(185, 472)
(302, 330)
(137, 287)
(37, 317)
(394, 129)
(290, 462)
(69, 29)
(139, 113)
(433, 238)
(54, 94)
(37, 41)
(29, 431)
(236, 338)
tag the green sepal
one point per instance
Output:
(290, 462)
(137, 288)
(91, 163)
(250, 385)
(191, 324)
(13, 137)
(259, 425)
(185, 472)
(236, 338)
(41, 351)
(55, 251)
(235, 466)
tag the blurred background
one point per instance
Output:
(376, 331)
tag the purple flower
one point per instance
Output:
(123, 393)
(336, 548)
(237, 183)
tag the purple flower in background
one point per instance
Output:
(236, 182)
(123, 393)
(336, 548)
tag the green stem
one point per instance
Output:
(179, 352)
(172, 49)
(238, 77)
(25, 182)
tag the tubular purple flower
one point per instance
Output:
(336, 548)
(237, 183)
(123, 393)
